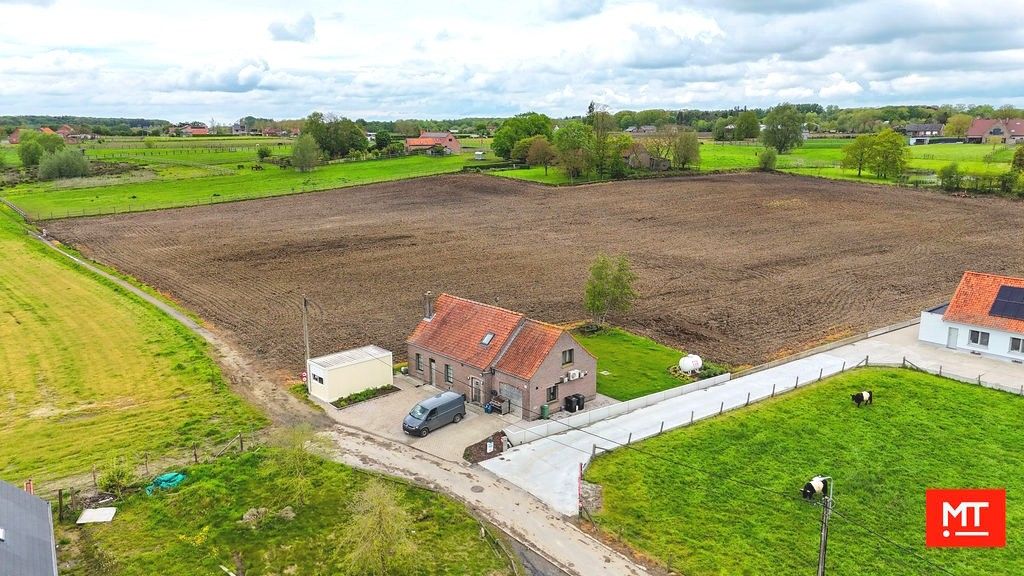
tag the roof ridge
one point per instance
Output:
(482, 304)
(990, 274)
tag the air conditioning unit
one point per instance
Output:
(574, 374)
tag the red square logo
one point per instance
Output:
(965, 518)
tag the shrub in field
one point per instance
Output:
(305, 153)
(263, 152)
(118, 478)
(950, 178)
(63, 164)
(685, 149)
(30, 153)
(767, 158)
(1008, 182)
(380, 537)
(1018, 159)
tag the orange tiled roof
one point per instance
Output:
(530, 346)
(425, 141)
(458, 329)
(46, 130)
(974, 297)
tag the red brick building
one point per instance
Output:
(487, 352)
(427, 140)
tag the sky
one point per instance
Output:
(196, 60)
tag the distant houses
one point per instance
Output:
(640, 130)
(426, 142)
(637, 156)
(992, 130)
(65, 131)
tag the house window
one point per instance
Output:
(487, 338)
(1017, 345)
(567, 356)
(553, 393)
(979, 338)
(449, 375)
(419, 363)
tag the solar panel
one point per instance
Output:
(1009, 303)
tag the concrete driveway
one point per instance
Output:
(383, 417)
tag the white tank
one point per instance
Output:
(690, 363)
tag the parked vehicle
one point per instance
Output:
(434, 412)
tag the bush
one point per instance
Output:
(950, 178)
(30, 153)
(766, 159)
(263, 152)
(118, 478)
(63, 164)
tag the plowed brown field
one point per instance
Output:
(739, 268)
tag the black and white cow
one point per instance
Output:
(865, 397)
(817, 486)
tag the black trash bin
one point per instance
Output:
(571, 403)
(580, 401)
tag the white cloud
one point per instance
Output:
(839, 86)
(302, 30)
(572, 9)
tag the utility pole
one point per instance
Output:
(826, 513)
(305, 325)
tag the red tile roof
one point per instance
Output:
(458, 327)
(974, 297)
(46, 130)
(980, 127)
(425, 141)
(529, 347)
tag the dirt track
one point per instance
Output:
(738, 267)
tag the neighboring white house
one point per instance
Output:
(344, 373)
(985, 316)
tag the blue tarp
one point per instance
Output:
(165, 482)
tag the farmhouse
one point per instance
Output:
(428, 140)
(15, 136)
(65, 131)
(985, 317)
(921, 133)
(489, 353)
(1008, 131)
(26, 534)
(345, 373)
(637, 156)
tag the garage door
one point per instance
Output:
(514, 395)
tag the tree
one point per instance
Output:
(957, 125)
(518, 127)
(747, 125)
(521, 148)
(602, 153)
(766, 159)
(30, 152)
(1017, 165)
(889, 154)
(721, 129)
(379, 536)
(63, 164)
(857, 153)
(541, 153)
(609, 288)
(783, 128)
(407, 127)
(950, 177)
(295, 460)
(685, 149)
(573, 142)
(305, 153)
(336, 137)
(382, 139)
(263, 152)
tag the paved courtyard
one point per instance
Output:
(549, 468)
(383, 417)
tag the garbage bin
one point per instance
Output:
(544, 411)
(580, 401)
(570, 403)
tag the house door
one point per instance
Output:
(431, 371)
(952, 337)
(514, 396)
(474, 390)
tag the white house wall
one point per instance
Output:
(935, 330)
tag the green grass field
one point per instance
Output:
(636, 365)
(922, 431)
(196, 528)
(819, 157)
(189, 185)
(91, 372)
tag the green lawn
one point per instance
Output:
(195, 528)
(187, 186)
(636, 365)
(818, 157)
(91, 372)
(922, 431)
(555, 175)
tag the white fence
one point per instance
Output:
(518, 435)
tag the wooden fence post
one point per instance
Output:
(95, 487)
(146, 456)
(241, 443)
(60, 504)
(195, 453)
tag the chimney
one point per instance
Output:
(428, 305)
